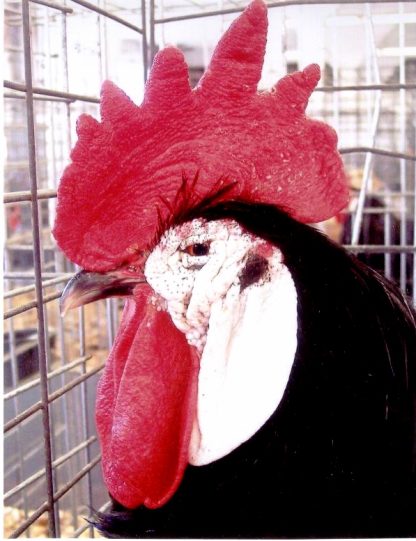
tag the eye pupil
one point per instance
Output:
(198, 249)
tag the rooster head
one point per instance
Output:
(194, 370)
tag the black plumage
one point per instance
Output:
(337, 458)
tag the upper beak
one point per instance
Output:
(86, 287)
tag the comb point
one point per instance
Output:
(168, 79)
(116, 107)
(237, 62)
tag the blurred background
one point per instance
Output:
(57, 53)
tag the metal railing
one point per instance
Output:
(70, 453)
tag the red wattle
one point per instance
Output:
(146, 403)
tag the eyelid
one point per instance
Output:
(196, 239)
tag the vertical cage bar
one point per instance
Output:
(15, 400)
(58, 258)
(110, 322)
(152, 30)
(387, 230)
(37, 264)
(402, 148)
(84, 401)
(335, 70)
(414, 226)
(100, 43)
(358, 218)
(103, 45)
(145, 50)
(51, 174)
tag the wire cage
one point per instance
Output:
(57, 53)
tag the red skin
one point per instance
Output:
(146, 405)
(126, 171)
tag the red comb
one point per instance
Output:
(125, 168)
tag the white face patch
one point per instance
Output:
(245, 328)
(190, 282)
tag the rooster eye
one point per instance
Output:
(198, 249)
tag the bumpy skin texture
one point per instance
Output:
(144, 398)
(126, 170)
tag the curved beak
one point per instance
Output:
(86, 287)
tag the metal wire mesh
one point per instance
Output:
(52, 472)
(57, 54)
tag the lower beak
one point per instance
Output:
(86, 287)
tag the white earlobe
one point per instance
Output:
(246, 363)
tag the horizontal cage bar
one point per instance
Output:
(107, 14)
(51, 398)
(284, 3)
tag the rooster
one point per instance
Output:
(262, 382)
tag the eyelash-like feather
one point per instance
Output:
(188, 204)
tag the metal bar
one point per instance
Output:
(335, 70)
(389, 195)
(52, 374)
(145, 50)
(68, 436)
(345, 88)
(84, 400)
(61, 492)
(269, 5)
(12, 49)
(24, 247)
(110, 322)
(68, 96)
(9, 9)
(29, 275)
(51, 398)
(357, 221)
(35, 98)
(23, 163)
(37, 264)
(53, 6)
(58, 257)
(74, 383)
(75, 480)
(402, 146)
(15, 197)
(101, 46)
(152, 30)
(107, 14)
(22, 416)
(31, 305)
(414, 232)
(374, 210)
(387, 234)
(15, 403)
(56, 463)
(80, 447)
(25, 525)
(27, 289)
(48, 92)
(380, 248)
(379, 151)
